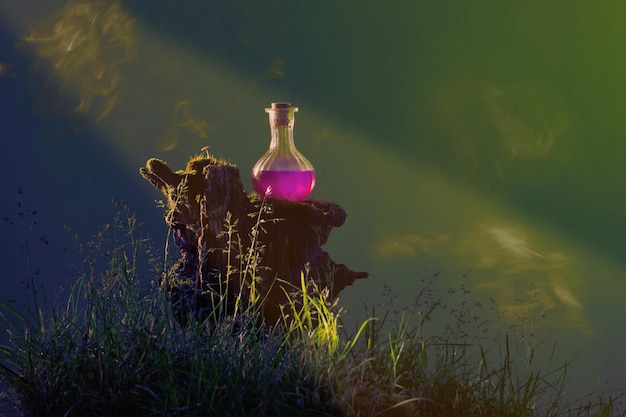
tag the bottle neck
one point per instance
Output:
(282, 121)
(282, 138)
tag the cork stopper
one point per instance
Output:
(281, 114)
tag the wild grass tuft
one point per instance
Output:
(114, 347)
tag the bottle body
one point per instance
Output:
(289, 185)
(283, 172)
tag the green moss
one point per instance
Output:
(197, 163)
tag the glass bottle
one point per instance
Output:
(283, 168)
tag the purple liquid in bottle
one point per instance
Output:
(290, 185)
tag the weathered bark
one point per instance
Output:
(208, 195)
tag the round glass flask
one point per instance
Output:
(283, 171)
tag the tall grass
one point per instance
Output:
(115, 348)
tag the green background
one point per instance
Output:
(484, 136)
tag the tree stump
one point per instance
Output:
(234, 245)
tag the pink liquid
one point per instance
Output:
(290, 185)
